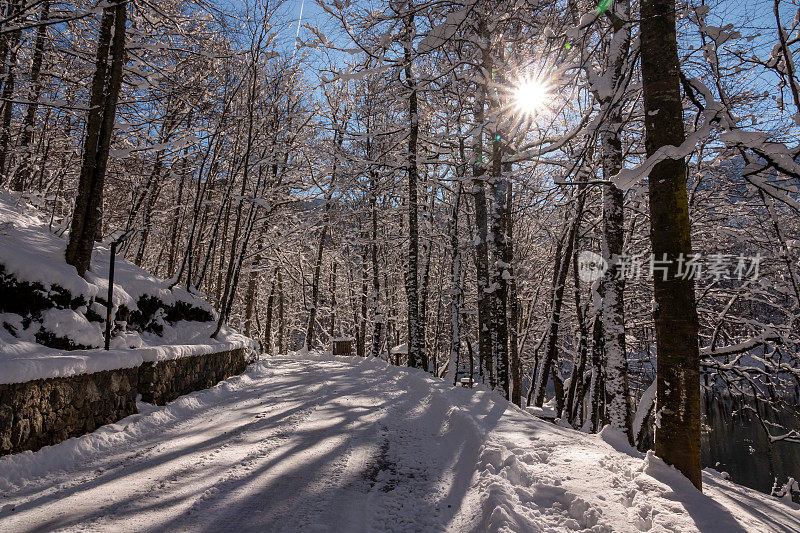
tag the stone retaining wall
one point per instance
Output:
(164, 381)
(47, 411)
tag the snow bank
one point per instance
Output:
(154, 354)
(26, 361)
(535, 476)
(30, 252)
(20, 469)
(73, 326)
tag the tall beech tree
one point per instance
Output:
(23, 171)
(613, 312)
(677, 436)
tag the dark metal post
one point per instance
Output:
(109, 304)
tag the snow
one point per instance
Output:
(30, 252)
(73, 326)
(586, 19)
(23, 360)
(352, 444)
(645, 404)
(176, 351)
(26, 242)
(400, 349)
(26, 361)
(442, 33)
(547, 411)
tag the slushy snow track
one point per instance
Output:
(357, 445)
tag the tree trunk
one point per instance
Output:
(87, 216)
(415, 358)
(455, 291)
(480, 241)
(332, 326)
(677, 439)
(579, 366)
(513, 310)
(562, 269)
(361, 342)
(177, 221)
(312, 311)
(152, 198)
(377, 328)
(281, 322)
(485, 351)
(423, 306)
(616, 382)
(500, 270)
(216, 243)
(15, 8)
(614, 304)
(596, 385)
(6, 10)
(251, 294)
(268, 319)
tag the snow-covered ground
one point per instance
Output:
(30, 252)
(22, 360)
(356, 445)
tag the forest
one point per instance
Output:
(590, 209)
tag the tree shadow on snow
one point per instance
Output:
(376, 448)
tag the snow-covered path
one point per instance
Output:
(338, 445)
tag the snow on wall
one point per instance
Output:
(26, 361)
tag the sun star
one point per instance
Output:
(531, 96)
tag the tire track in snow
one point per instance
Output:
(243, 446)
(103, 496)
